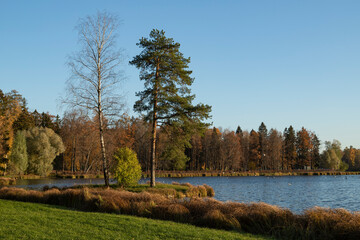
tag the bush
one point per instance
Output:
(19, 157)
(43, 145)
(343, 166)
(127, 170)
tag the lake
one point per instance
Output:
(296, 193)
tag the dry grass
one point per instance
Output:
(4, 181)
(259, 218)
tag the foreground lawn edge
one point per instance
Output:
(255, 218)
(40, 221)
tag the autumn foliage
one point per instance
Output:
(210, 150)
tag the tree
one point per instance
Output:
(303, 148)
(245, 142)
(254, 150)
(289, 158)
(231, 151)
(95, 73)
(216, 153)
(127, 170)
(46, 121)
(43, 145)
(195, 152)
(25, 120)
(19, 157)
(349, 157)
(263, 140)
(9, 112)
(142, 143)
(79, 134)
(173, 154)
(315, 151)
(167, 98)
(37, 118)
(275, 149)
(331, 156)
(238, 130)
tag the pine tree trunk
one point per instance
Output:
(153, 142)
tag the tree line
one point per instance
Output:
(210, 149)
(29, 140)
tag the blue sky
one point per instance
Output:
(278, 62)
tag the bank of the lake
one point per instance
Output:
(254, 218)
(264, 173)
(296, 193)
(39, 221)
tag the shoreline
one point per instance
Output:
(179, 174)
(11, 180)
(254, 218)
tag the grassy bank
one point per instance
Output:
(256, 218)
(175, 189)
(4, 181)
(37, 221)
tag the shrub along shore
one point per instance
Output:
(256, 218)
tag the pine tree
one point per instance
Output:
(254, 151)
(25, 120)
(263, 141)
(46, 121)
(290, 156)
(315, 151)
(238, 130)
(167, 98)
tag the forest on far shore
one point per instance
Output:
(212, 149)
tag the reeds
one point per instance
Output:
(258, 218)
(4, 181)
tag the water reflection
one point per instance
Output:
(60, 183)
(294, 192)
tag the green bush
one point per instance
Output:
(43, 145)
(343, 166)
(127, 170)
(19, 157)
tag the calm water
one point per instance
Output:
(294, 192)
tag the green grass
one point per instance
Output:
(21, 220)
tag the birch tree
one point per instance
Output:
(95, 73)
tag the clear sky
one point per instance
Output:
(283, 63)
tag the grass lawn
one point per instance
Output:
(21, 220)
